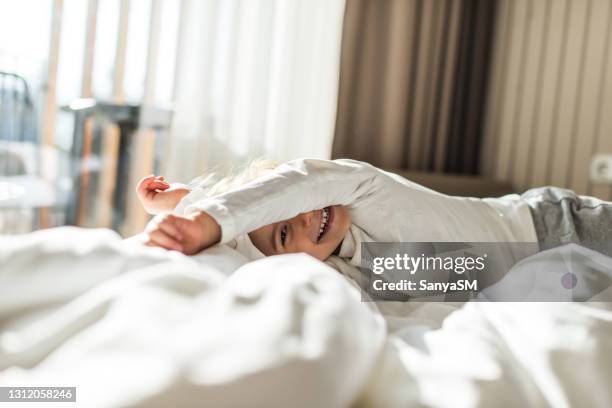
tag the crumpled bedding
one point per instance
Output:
(136, 326)
(482, 354)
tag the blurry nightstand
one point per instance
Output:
(112, 145)
(28, 190)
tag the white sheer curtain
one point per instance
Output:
(255, 78)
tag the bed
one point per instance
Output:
(129, 325)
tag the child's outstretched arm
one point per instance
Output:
(158, 196)
(294, 187)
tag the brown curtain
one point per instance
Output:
(413, 83)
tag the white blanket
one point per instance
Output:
(536, 354)
(135, 326)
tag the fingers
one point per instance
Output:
(188, 226)
(169, 226)
(159, 237)
(181, 223)
(143, 183)
(152, 183)
(164, 231)
(158, 185)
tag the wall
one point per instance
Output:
(550, 97)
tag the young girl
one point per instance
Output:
(324, 207)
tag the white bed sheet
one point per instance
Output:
(135, 326)
(482, 354)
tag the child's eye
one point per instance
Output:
(283, 234)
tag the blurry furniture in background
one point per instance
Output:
(18, 118)
(113, 146)
(458, 185)
(122, 51)
(31, 196)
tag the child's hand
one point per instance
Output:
(157, 195)
(187, 234)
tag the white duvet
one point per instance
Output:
(135, 326)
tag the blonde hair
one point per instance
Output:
(215, 184)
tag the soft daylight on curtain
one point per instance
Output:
(255, 78)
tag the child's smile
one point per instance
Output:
(317, 233)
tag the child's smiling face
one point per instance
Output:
(317, 233)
